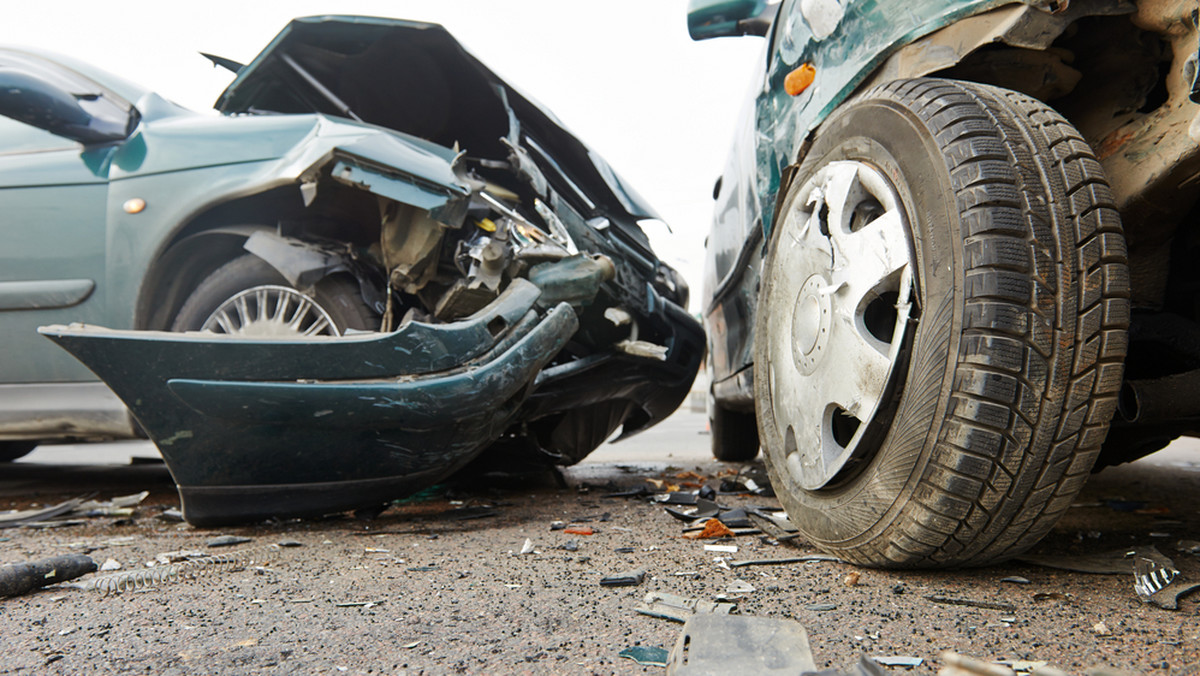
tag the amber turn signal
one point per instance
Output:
(798, 80)
(135, 205)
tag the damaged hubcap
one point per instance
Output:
(844, 285)
(271, 312)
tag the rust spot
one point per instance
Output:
(1112, 143)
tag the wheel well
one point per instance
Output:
(216, 236)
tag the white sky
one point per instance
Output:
(621, 74)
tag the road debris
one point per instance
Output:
(972, 603)
(680, 608)
(1111, 562)
(851, 579)
(188, 569)
(739, 587)
(171, 515)
(21, 578)
(959, 665)
(899, 661)
(627, 579)
(227, 541)
(1015, 579)
(110, 565)
(785, 560)
(1101, 629)
(26, 517)
(1160, 583)
(704, 509)
(579, 530)
(725, 549)
(527, 548)
(748, 646)
(646, 655)
(821, 607)
(712, 530)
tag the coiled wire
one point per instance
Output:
(142, 578)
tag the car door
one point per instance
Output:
(53, 204)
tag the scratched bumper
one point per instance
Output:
(253, 429)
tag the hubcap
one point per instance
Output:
(842, 287)
(271, 312)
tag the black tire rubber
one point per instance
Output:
(11, 450)
(734, 434)
(1017, 353)
(338, 295)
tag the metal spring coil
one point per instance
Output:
(133, 580)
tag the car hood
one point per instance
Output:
(416, 78)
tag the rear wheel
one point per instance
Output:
(942, 326)
(248, 297)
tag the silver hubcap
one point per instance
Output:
(270, 312)
(840, 298)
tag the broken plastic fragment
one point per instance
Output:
(680, 608)
(227, 541)
(579, 530)
(722, 644)
(527, 548)
(726, 549)
(646, 655)
(626, 579)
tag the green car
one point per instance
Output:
(377, 263)
(951, 270)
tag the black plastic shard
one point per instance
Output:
(626, 579)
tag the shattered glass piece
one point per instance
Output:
(821, 607)
(20, 518)
(899, 661)
(527, 548)
(1160, 584)
(627, 579)
(739, 587)
(749, 646)
(646, 655)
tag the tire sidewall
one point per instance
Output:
(861, 507)
(338, 297)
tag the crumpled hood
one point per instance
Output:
(416, 78)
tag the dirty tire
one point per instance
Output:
(337, 295)
(734, 434)
(1003, 390)
(11, 450)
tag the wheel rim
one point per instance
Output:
(839, 301)
(271, 311)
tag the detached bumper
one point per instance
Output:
(253, 429)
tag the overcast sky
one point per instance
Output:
(621, 74)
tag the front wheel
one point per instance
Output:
(941, 328)
(247, 297)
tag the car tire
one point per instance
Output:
(12, 450)
(942, 326)
(734, 434)
(246, 297)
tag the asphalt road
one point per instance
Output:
(424, 589)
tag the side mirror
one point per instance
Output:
(38, 103)
(729, 18)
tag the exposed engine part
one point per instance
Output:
(574, 280)
(644, 349)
